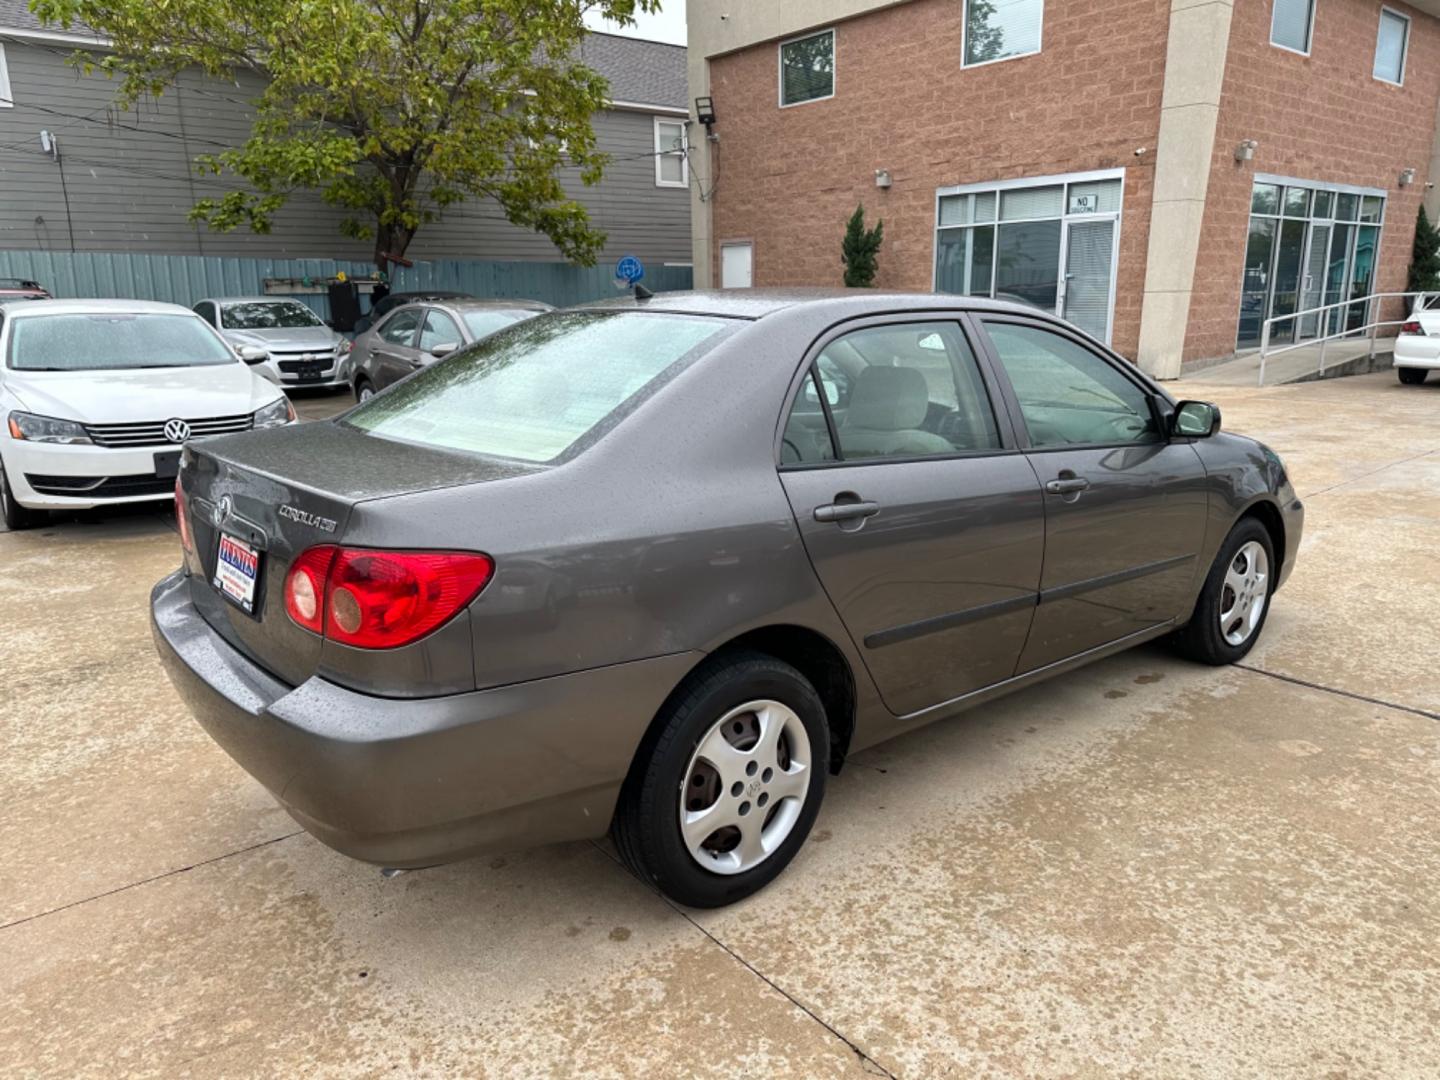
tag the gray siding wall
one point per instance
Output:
(130, 188)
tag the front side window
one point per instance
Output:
(900, 390)
(439, 329)
(807, 68)
(1291, 23)
(263, 315)
(535, 390)
(400, 329)
(110, 342)
(1390, 46)
(671, 167)
(1068, 395)
(1000, 29)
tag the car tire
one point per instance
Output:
(15, 516)
(1412, 376)
(363, 390)
(1235, 599)
(674, 759)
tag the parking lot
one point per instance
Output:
(1147, 868)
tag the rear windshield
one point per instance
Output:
(111, 341)
(261, 316)
(534, 390)
(482, 323)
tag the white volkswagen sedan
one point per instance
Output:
(98, 396)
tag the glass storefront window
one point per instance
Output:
(1027, 262)
(1324, 204)
(1022, 203)
(1347, 206)
(1370, 208)
(965, 261)
(1265, 199)
(1297, 202)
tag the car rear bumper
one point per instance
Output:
(1417, 351)
(414, 782)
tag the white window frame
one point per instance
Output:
(660, 153)
(6, 96)
(1404, 49)
(1309, 32)
(965, 33)
(780, 68)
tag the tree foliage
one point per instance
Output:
(1425, 256)
(860, 249)
(392, 110)
(984, 40)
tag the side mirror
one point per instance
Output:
(253, 354)
(445, 348)
(1196, 419)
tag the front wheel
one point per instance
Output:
(1235, 598)
(15, 516)
(363, 390)
(1411, 376)
(725, 793)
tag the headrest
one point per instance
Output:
(888, 399)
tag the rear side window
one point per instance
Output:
(535, 390)
(1068, 395)
(900, 390)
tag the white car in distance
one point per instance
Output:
(1417, 346)
(98, 397)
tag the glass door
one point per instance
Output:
(1312, 285)
(1254, 291)
(1286, 296)
(1089, 259)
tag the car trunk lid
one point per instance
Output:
(277, 493)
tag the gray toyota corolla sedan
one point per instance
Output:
(657, 566)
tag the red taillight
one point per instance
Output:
(1411, 327)
(305, 587)
(182, 520)
(381, 599)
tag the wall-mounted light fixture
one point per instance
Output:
(1246, 150)
(1407, 177)
(882, 178)
(705, 111)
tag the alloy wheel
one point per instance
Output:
(745, 786)
(1243, 593)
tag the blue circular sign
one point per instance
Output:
(629, 270)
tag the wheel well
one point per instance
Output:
(1269, 516)
(819, 660)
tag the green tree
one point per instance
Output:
(859, 249)
(983, 39)
(1425, 257)
(393, 110)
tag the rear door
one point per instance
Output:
(1125, 509)
(922, 520)
(392, 350)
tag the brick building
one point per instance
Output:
(1165, 173)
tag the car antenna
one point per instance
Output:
(642, 293)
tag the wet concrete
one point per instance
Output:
(1145, 869)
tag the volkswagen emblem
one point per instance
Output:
(223, 509)
(177, 431)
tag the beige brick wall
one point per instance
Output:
(1322, 117)
(788, 178)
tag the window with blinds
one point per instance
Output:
(1390, 46)
(1291, 23)
(807, 68)
(1001, 29)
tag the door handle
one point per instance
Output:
(1067, 485)
(846, 511)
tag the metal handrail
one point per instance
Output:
(1370, 326)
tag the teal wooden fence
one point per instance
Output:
(187, 279)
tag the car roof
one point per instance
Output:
(248, 300)
(469, 303)
(758, 303)
(32, 308)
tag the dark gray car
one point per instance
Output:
(413, 335)
(658, 566)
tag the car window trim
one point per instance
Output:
(1119, 365)
(1004, 425)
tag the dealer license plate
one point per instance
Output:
(236, 570)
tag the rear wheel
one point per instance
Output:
(725, 792)
(1411, 376)
(16, 517)
(363, 390)
(1235, 598)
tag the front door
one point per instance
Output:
(393, 351)
(1125, 509)
(1089, 261)
(925, 527)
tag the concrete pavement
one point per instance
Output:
(1146, 868)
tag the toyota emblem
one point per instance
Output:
(177, 431)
